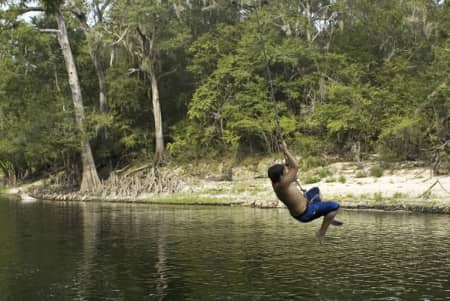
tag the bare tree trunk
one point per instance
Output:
(95, 55)
(101, 81)
(308, 26)
(147, 64)
(89, 178)
(101, 132)
(9, 173)
(159, 138)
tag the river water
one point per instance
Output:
(95, 251)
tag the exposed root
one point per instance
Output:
(127, 186)
(148, 181)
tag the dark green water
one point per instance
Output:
(64, 251)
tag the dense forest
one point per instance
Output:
(88, 86)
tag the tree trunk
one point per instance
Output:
(9, 173)
(95, 55)
(147, 65)
(308, 26)
(89, 178)
(101, 132)
(101, 79)
(159, 139)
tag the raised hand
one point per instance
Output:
(283, 146)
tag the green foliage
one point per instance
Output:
(373, 75)
(376, 171)
(310, 146)
(36, 125)
(399, 195)
(232, 104)
(311, 179)
(210, 47)
(325, 172)
(311, 162)
(52, 5)
(342, 179)
(402, 139)
(378, 197)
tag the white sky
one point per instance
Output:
(26, 17)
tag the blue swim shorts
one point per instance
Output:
(317, 209)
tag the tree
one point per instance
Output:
(37, 132)
(151, 30)
(346, 75)
(90, 180)
(93, 35)
(232, 108)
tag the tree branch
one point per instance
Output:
(443, 145)
(104, 7)
(78, 13)
(18, 11)
(440, 87)
(143, 37)
(24, 10)
(132, 70)
(49, 30)
(121, 37)
(167, 73)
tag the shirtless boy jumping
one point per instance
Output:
(284, 183)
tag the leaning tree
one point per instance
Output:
(56, 8)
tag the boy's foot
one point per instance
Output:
(336, 222)
(320, 237)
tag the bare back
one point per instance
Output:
(291, 196)
(286, 187)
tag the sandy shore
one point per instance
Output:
(401, 188)
(406, 183)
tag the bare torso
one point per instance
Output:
(292, 197)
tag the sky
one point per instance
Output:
(26, 17)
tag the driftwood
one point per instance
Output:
(437, 158)
(426, 194)
(130, 172)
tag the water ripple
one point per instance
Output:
(141, 252)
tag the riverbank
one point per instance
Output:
(405, 187)
(366, 185)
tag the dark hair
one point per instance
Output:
(275, 172)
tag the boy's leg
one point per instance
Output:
(328, 207)
(327, 220)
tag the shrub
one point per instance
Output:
(376, 171)
(378, 197)
(311, 179)
(403, 139)
(311, 162)
(399, 195)
(342, 179)
(325, 172)
(310, 145)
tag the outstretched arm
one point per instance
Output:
(291, 176)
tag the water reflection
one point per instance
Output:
(72, 251)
